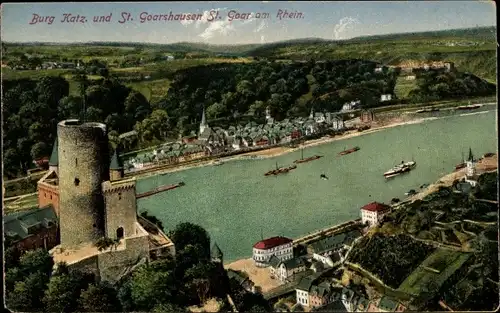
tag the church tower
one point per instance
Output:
(203, 124)
(311, 115)
(216, 254)
(471, 165)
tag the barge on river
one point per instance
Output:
(348, 151)
(469, 107)
(302, 160)
(280, 170)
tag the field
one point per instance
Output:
(435, 269)
(404, 87)
(21, 203)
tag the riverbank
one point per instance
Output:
(381, 124)
(262, 277)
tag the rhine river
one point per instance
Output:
(238, 205)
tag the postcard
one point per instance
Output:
(263, 156)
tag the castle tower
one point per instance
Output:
(203, 124)
(121, 208)
(83, 165)
(116, 171)
(54, 160)
(216, 254)
(471, 165)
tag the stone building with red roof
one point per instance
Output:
(372, 213)
(279, 246)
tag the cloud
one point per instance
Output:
(262, 25)
(218, 27)
(342, 26)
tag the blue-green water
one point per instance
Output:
(235, 203)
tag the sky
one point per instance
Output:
(128, 22)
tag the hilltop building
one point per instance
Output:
(92, 200)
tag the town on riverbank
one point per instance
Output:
(339, 268)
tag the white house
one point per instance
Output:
(411, 77)
(350, 106)
(302, 290)
(378, 69)
(338, 123)
(281, 247)
(373, 213)
(387, 97)
(319, 118)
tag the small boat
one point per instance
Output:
(410, 192)
(404, 167)
(302, 160)
(349, 151)
(424, 186)
(280, 170)
(323, 176)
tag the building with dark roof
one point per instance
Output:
(284, 270)
(279, 246)
(32, 229)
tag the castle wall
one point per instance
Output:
(121, 211)
(83, 165)
(89, 264)
(115, 263)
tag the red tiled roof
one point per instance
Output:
(375, 207)
(272, 242)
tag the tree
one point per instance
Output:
(64, 290)
(149, 288)
(99, 297)
(27, 294)
(38, 260)
(167, 308)
(191, 234)
(38, 150)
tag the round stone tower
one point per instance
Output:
(83, 164)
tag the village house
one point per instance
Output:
(372, 213)
(241, 280)
(387, 97)
(283, 270)
(279, 246)
(353, 301)
(33, 229)
(338, 123)
(330, 250)
(471, 176)
(386, 304)
(411, 77)
(367, 116)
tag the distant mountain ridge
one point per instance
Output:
(477, 33)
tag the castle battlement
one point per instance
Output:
(120, 185)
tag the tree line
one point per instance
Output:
(163, 285)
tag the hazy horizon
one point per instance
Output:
(235, 44)
(323, 20)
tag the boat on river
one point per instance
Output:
(280, 170)
(311, 158)
(348, 151)
(402, 168)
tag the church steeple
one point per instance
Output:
(311, 115)
(203, 123)
(216, 253)
(471, 157)
(54, 158)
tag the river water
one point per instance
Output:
(238, 205)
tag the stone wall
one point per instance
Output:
(115, 263)
(83, 165)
